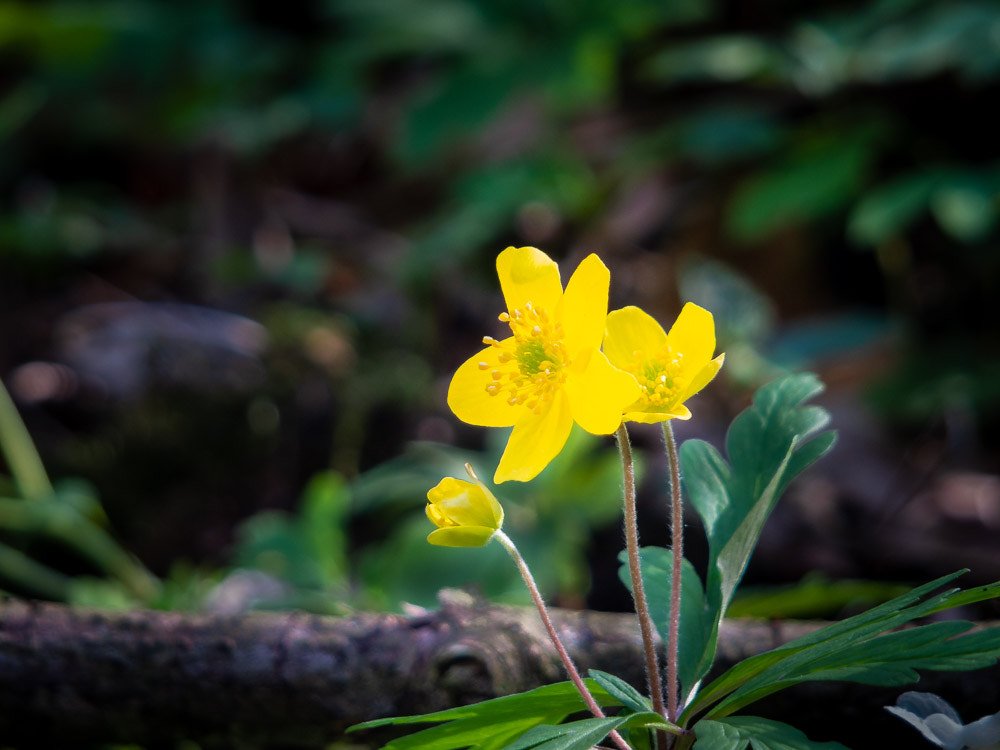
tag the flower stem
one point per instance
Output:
(571, 669)
(635, 572)
(677, 548)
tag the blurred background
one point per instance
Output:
(244, 245)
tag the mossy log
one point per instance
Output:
(73, 678)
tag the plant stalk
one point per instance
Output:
(571, 669)
(677, 549)
(635, 572)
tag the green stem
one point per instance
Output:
(571, 669)
(677, 548)
(17, 567)
(635, 572)
(17, 447)
(66, 526)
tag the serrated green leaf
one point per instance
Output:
(768, 445)
(695, 626)
(971, 596)
(623, 692)
(861, 650)
(737, 732)
(747, 669)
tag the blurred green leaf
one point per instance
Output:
(807, 187)
(722, 58)
(814, 597)
(887, 211)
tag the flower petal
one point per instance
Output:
(649, 417)
(599, 394)
(693, 334)
(535, 441)
(585, 305)
(467, 395)
(704, 377)
(631, 330)
(463, 503)
(461, 536)
(529, 275)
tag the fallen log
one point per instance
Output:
(72, 677)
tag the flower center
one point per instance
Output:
(532, 362)
(659, 376)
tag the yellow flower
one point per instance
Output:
(550, 372)
(466, 513)
(670, 367)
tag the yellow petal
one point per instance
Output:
(461, 536)
(704, 377)
(529, 275)
(631, 330)
(599, 394)
(693, 335)
(435, 515)
(467, 395)
(585, 305)
(463, 503)
(648, 417)
(535, 441)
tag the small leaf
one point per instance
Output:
(622, 691)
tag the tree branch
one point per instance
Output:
(298, 680)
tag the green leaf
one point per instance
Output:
(695, 626)
(737, 732)
(18, 449)
(810, 186)
(885, 615)
(861, 650)
(576, 735)
(768, 444)
(621, 691)
(492, 724)
(887, 211)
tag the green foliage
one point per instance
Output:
(491, 724)
(769, 444)
(550, 517)
(695, 625)
(525, 720)
(861, 649)
(740, 732)
(814, 597)
(67, 513)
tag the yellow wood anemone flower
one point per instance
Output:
(670, 367)
(466, 513)
(550, 371)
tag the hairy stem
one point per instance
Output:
(677, 548)
(571, 669)
(635, 572)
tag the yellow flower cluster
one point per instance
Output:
(551, 371)
(566, 360)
